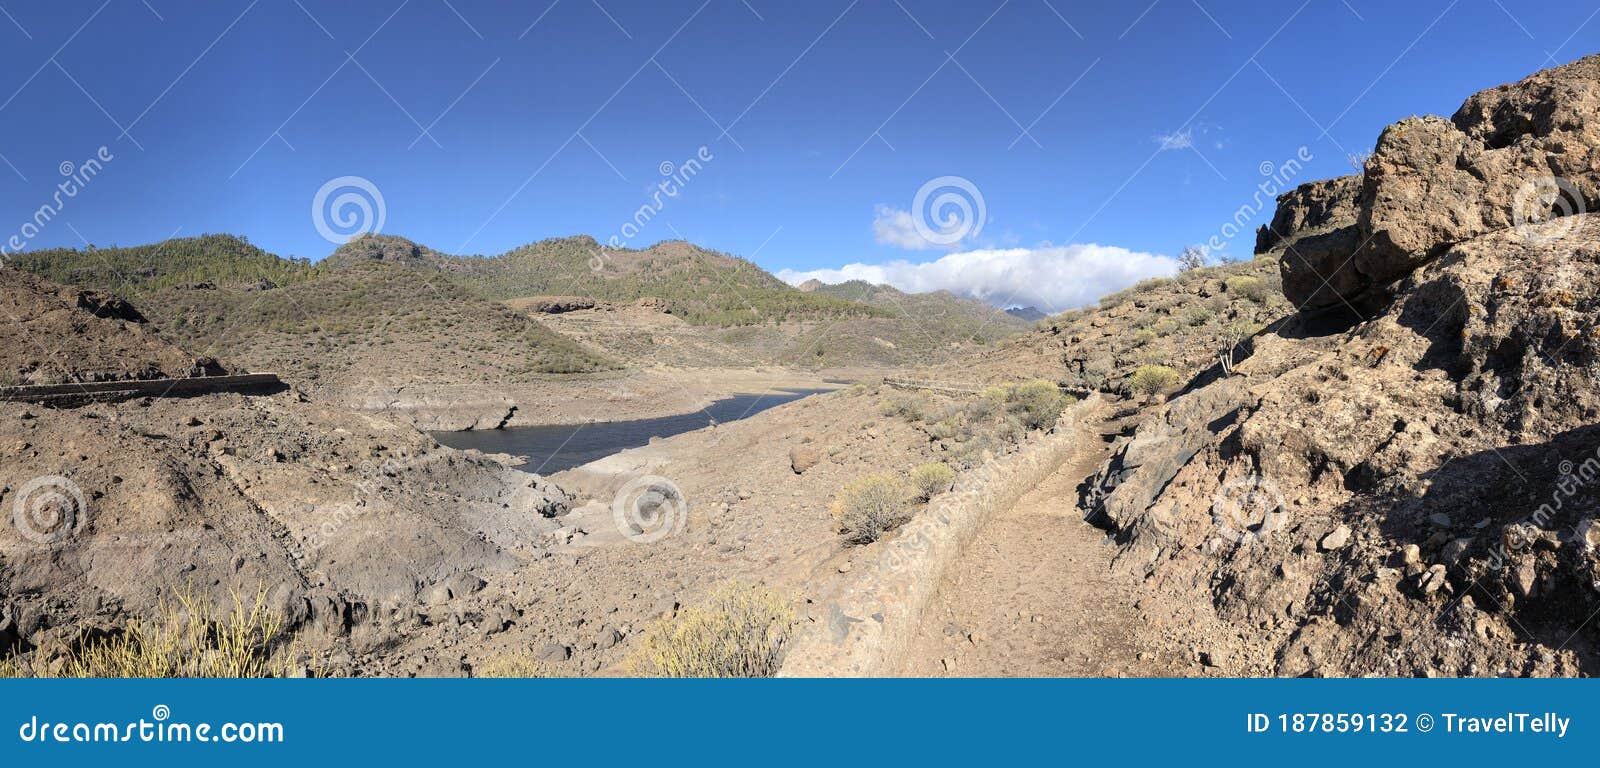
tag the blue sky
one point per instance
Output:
(1147, 125)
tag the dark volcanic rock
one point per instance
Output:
(1513, 156)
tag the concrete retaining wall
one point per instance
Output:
(865, 624)
(99, 391)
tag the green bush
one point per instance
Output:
(1151, 379)
(1037, 403)
(932, 479)
(1143, 337)
(868, 506)
(1198, 316)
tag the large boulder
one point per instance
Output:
(1513, 156)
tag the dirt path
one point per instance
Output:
(1033, 596)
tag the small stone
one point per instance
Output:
(1411, 554)
(608, 638)
(553, 652)
(1440, 519)
(1455, 549)
(1210, 658)
(1433, 579)
(745, 494)
(1587, 534)
(844, 567)
(1336, 539)
(1524, 579)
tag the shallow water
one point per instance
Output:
(550, 449)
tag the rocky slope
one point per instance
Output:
(351, 523)
(50, 334)
(1185, 322)
(703, 286)
(1400, 478)
(723, 310)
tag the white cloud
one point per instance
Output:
(1183, 139)
(1052, 278)
(896, 227)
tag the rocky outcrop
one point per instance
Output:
(555, 305)
(1413, 493)
(1410, 497)
(1513, 156)
(348, 523)
(54, 335)
(1312, 208)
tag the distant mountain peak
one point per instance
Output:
(1026, 313)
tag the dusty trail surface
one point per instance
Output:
(1034, 596)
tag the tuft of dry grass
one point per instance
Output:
(931, 479)
(741, 630)
(868, 506)
(188, 638)
(515, 665)
(1152, 379)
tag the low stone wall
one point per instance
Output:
(864, 624)
(126, 389)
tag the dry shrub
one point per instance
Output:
(1151, 379)
(1037, 403)
(932, 478)
(1248, 287)
(514, 665)
(741, 630)
(187, 639)
(908, 407)
(870, 505)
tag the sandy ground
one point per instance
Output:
(645, 393)
(1034, 596)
